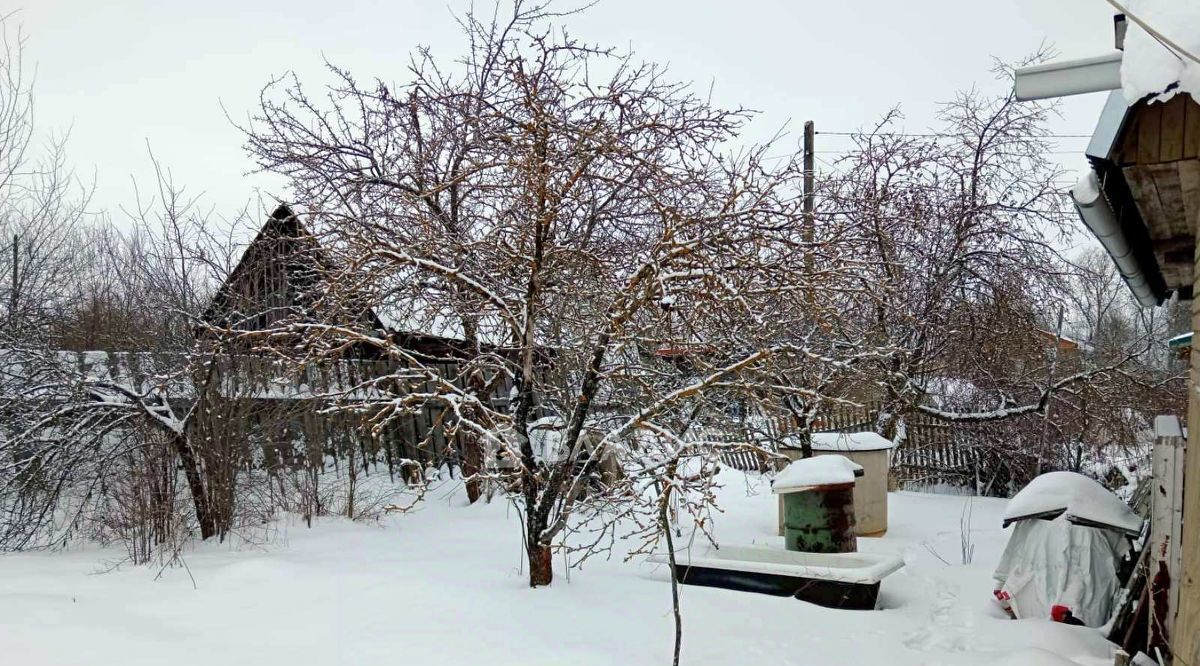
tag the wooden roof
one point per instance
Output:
(282, 251)
(1151, 176)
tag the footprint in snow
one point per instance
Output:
(950, 627)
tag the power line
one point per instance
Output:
(951, 134)
(845, 152)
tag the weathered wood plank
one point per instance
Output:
(1189, 185)
(1149, 130)
(1191, 128)
(1126, 151)
(1173, 221)
(1171, 131)
(1186, 645)
(1141, 185)
(1166, 521)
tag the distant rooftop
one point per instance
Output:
(1181, 340)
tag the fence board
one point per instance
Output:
(1166, 526)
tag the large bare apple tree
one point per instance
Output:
(588, 228)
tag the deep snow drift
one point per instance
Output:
(441, 585)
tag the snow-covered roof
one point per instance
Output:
(388, 297)
(139, 371)
(1160, 58)
(943, 389)
(1151, 65)
(1064, 340)
(407, 318)
(843, 441)
(817, 471)
(1080, 499)
(850, 441)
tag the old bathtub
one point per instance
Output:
(834, 580)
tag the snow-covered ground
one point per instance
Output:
(441, 585)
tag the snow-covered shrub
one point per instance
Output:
(142, 505)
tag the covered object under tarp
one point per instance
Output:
(1069, 537)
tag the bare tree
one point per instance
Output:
(967, 291)
(573, 217)
(111, 375)
(42, 203)
(960, 255)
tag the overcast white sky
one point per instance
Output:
(124, 72)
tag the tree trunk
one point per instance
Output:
(802, 423)
(472, 465)
(191, 470)
(804, 434)
(471, 448)
(541, 571)
(665, 526)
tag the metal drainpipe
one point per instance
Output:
(1098, 216)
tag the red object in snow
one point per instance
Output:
(1005, 600)
(1061, 613)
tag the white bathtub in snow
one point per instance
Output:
(836, 580)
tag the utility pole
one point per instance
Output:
(1050, 372)
(809, 140)
(12, 308)
(807, 232)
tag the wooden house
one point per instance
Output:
(301, 404)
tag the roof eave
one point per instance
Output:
(1107, 208)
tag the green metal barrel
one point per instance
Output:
(820, 520)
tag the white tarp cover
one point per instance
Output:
(1077, 497)
(1056, 562)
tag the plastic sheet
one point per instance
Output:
(1049, 563)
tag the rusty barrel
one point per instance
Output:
(820, 519)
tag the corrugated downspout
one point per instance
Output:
(1098, 216)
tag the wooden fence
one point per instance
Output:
(1166, 529)
(746, 460)
(933, 451)
(322, 406)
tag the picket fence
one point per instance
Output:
(929, 454)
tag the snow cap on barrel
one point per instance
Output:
(819, 471)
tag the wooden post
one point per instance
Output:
(12, 308)
(1186, 643)
(809, 221)
(1049, 392)
(1166, 526)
